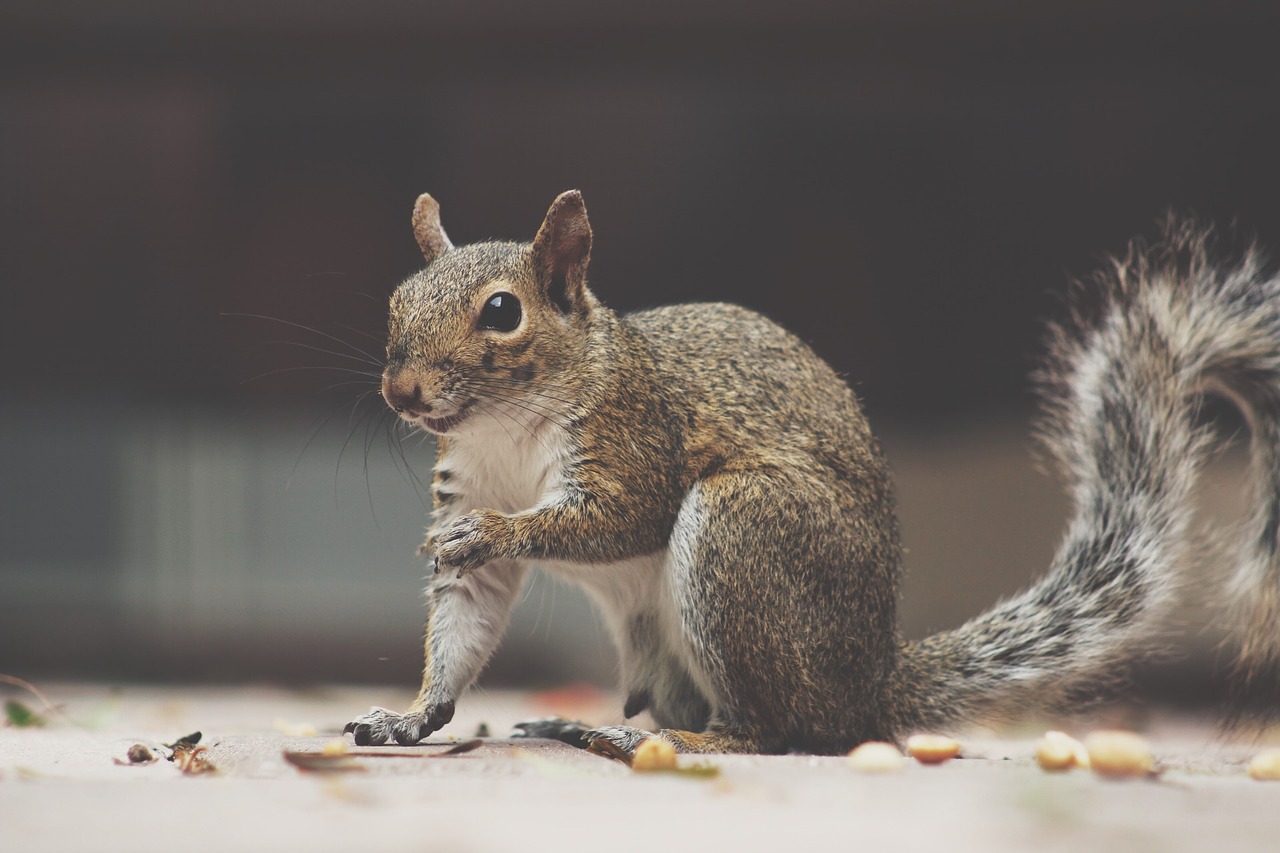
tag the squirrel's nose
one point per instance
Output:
(402, 392)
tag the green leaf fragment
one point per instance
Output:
(20, 716)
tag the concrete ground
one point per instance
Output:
(61, 788)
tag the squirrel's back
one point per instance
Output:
(755, 386)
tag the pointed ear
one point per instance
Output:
(427, 229)
(561, 251)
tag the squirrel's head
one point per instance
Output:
(490, 327)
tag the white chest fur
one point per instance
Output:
(506, 466)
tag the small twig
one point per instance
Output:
(35, 691)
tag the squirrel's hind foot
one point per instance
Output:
(615, 740)
(555, 728)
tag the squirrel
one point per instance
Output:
(715, 487)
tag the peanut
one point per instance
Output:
(876, 757)
(1119, 754)
(932, 749)
(1266, 765)
(1059, 751)
(653, 754)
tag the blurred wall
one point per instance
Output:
(906, 185)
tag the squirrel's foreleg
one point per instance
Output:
(468, 617)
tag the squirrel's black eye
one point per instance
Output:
(501, 313)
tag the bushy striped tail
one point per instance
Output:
(1122, 395)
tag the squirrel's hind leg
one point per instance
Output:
(783, 579)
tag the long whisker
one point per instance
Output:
(353, 425)
(542, 412)
(526, 427)
(394, 449)
(311, 438)
(485, 383)
(348, 383)
(349, 370)
(542, 382)
(543, 409)
(381, 341)
(528, 391)
(305, 328)
(300, 345)
(523, 383)
(494, 417)
(370, 435)
(396, 435)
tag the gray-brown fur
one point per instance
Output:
(1122, 392)
(708, 436)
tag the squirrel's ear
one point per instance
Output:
(426, 227)
(562, 250)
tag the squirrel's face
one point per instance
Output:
(488, 329)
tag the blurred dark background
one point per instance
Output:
(190, 492)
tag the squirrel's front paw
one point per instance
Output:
(380, 725)
(469, 542)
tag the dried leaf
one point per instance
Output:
(318, 762)
(608, 749)
(193, 760)
(458, 749)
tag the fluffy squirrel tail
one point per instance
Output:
(1122, 395)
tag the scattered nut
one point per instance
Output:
(334, 747)
(876, 757)
(1119, 754)
(140, 754)
(1060, 751)
(932, 749)
(654, 754)
(1266, 765)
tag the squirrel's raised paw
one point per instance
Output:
(555, 728)
(381, 725)
(472, 540)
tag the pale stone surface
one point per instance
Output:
(61, 791)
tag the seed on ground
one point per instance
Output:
(653, 754)
(932, 749)
(1058, 751)
(876, 757)
(1266, 765)
(1119, 754)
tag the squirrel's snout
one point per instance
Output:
(403, 393)
(419, 391)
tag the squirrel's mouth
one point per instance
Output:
(440, 426)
